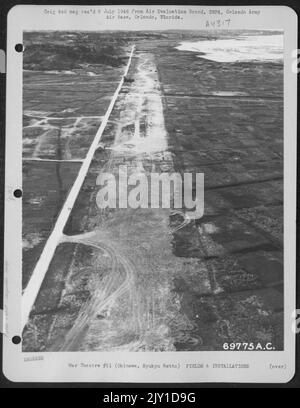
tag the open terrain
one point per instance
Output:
(143, 279)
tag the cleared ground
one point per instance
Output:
(130, 279)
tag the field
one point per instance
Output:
(137, 279)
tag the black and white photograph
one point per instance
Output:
(150, 279)
(155, 157)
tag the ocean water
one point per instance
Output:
(243, 48)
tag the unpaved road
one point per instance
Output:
(146, 279)
(137, 276)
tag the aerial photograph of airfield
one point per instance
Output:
(151, 279)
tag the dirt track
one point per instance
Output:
(144, 280)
